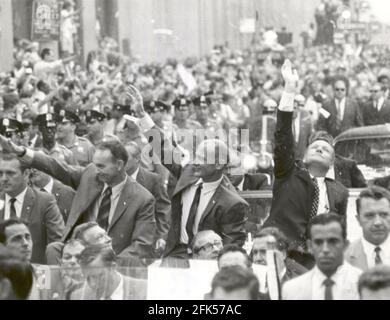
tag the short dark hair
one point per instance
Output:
(373, 192)
(234, 278)
(17, 271)
(325, 219)
(5, 156)
(282, 242)
(383, 76)
(375, 279)
(78, 232)
(116, 148)
(8, 223)
(91, 253)
(235, 248)
(45, 52)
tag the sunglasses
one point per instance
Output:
(340, 89)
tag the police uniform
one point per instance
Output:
(10, 127)
(82, 148)
(100, 117)
(58, 151)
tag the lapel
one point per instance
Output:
(346, 112)
(2, 207)
(141, 176)
(331, 194)
(28, 204)
(246, 183)
(358, 257)
(123, 202)
(56, 191)
(384, 108)
(186, 179)
(214, 199)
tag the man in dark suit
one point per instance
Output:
(37, 208)
(203, 198)
(302, 126)
(105, 194)
(341, 113)
(300, 191)
(154, 184)
(377, 109)
(63, 194)
(244, 181)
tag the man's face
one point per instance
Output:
(385, 82)
(374, 218)
(320, 152)
(376, 92)
(19, 239)
(94, 126)
(382, 294)
(132, 164)
(235, 174)
(231, 259)
(107, 169)
(38, 178)
(96, 236)
(205, 164)
(12, 180)
(259, 251)
(70, 261)
(98, 277)
(49, 56)
(157, 117)
(209, 246)
(65, 129)
(48, 134)
(237, 294)
(202, 113)
(327, 245)
(340, 90)
(182, 115)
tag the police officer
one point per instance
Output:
(47, 125)
(82, 148)
(12, 129)
(95, 124)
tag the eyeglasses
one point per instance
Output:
(209, 246)
(339, 89)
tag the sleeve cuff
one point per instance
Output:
(29, 156)
(287, 102)
(146, 123)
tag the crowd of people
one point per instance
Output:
(115, 166)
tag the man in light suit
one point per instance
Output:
(373, 214)
(341, 113)
(105, 194)
(154, 184)
(37, 208)
(63, 194)
(331, 278)
(103, 281)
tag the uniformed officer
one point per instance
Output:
(82, 148)
(12, 129)
(95, 124)
(47, 125)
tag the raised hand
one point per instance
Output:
(136, 97)
(290, 76)
(10, 147)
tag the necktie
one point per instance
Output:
(12, 210)
(328, 283)
(104, 209)
(316, 199)
(192, 214)
(378, 259)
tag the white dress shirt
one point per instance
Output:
(345, 288)
(380, 103)
(340, 106)
(18, 204)
(240, 186)
(297, 127)
(323, 201)
(49, 187)
(135, 174)
(115, 195)
(118, 293)
(369, 250)
(207, 193)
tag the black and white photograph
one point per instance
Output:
(194, 150)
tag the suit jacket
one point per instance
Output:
(132, 228)
(133, 289)
(305, 131)
(372, 117)
(348, 173)
(356, 256)
(44, 221)
(352, 117)
(300, 288)
(253, 182)
(293, 188)
(64, 196)
(152, 182)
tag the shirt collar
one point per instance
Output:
(118, 292)
(135, 174)
(49, 186)
(116, 191)
(330, 174)
(209, 186)
(369, 248)
(321, 277)
(19, 198)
